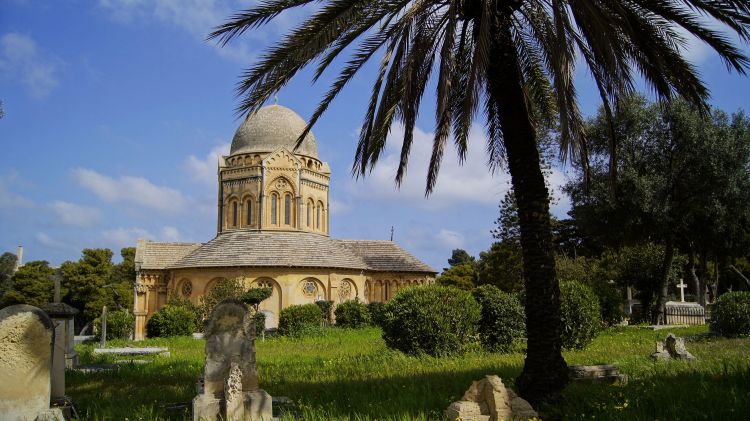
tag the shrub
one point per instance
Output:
(254, 296)
(171, 321)
(610, 301)
(229, 288)
(580, 314)
(731, 314)
(353, 314)
(120, 324)
(298, 319)
(377, 313)
(260, 323)
(432, 320)
(326, 312)
(502, 320)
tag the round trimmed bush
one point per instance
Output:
(433, 320)
(171, 321)
(377, 313)
(731, 314)
(352, 314)
(580, 314)
(296, 320)
(120, 324)
(503, 318)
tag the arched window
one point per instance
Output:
(287, 209)
(274, 208)
(234, 214)
(317, 217)
(249, 211)
(310, 206)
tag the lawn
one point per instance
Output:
(346, 374)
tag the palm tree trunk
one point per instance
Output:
(545, 371)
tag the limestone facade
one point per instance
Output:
(273, 227)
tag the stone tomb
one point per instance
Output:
(489, 400)
(229, 390)
(26, 340)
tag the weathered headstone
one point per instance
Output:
(607, 373)
(63, 353)
(684, 313)
(489, 400)
(672, 348)
(26, 339)
(229, 388)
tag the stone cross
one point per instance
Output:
(56, 279)
(682, 287)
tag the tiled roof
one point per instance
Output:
(269, 248)
(153, 255)
(386, 256)
(280, 249)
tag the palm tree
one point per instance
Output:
(513, 58)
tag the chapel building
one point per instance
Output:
(273, 225)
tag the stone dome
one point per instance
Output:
(270, 128)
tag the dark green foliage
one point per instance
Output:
(641, 267)
(254, 296)
(326, 311)
(377, 313)
(580, 313)
(227, 288)
(31, 285)
(433, 320)
(352, 314)
(260, 323)
(171, 321)
(7, 265)
(597, 274)
(731, 314)
(177, 300)
(461, 276)
(297, 320)
(460, 257)
(120, 325)
(501, 266)
(85, 282)
(503, 319)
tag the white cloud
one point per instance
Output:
(471, 182)
(199, 18)
(204, 170)
(75, 215)
(125, 237)
(9, 199)
(170, 234)
(133, 190)
(50, 242)
(450, 239)
(21, 59)
(338, 207)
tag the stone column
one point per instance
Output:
(63, 353)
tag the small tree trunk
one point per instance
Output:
(659, 310)
(545, 371)
(694, 276)
(703, 276)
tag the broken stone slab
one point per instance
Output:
(489, 400)
(133, 351)
(609, 373)
(673, 347)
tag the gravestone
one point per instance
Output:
(684, 313)
(26, 340)
(229, 388)
(489, 400)
(673, 347)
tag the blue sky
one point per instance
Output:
(116, 109)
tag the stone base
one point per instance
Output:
(206, 408)
(52, 414)
(258, 406)
(606, 373)
(71, 360)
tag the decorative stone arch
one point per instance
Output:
(310, 213)
(271, 307)
(282, 184)
(184, 288)
(212, 283)
(347, 290)
(367, 294)
(308, 294)
(320, 217)
(232, 212)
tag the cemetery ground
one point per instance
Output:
(351, 374)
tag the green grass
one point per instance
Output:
(345, 374)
